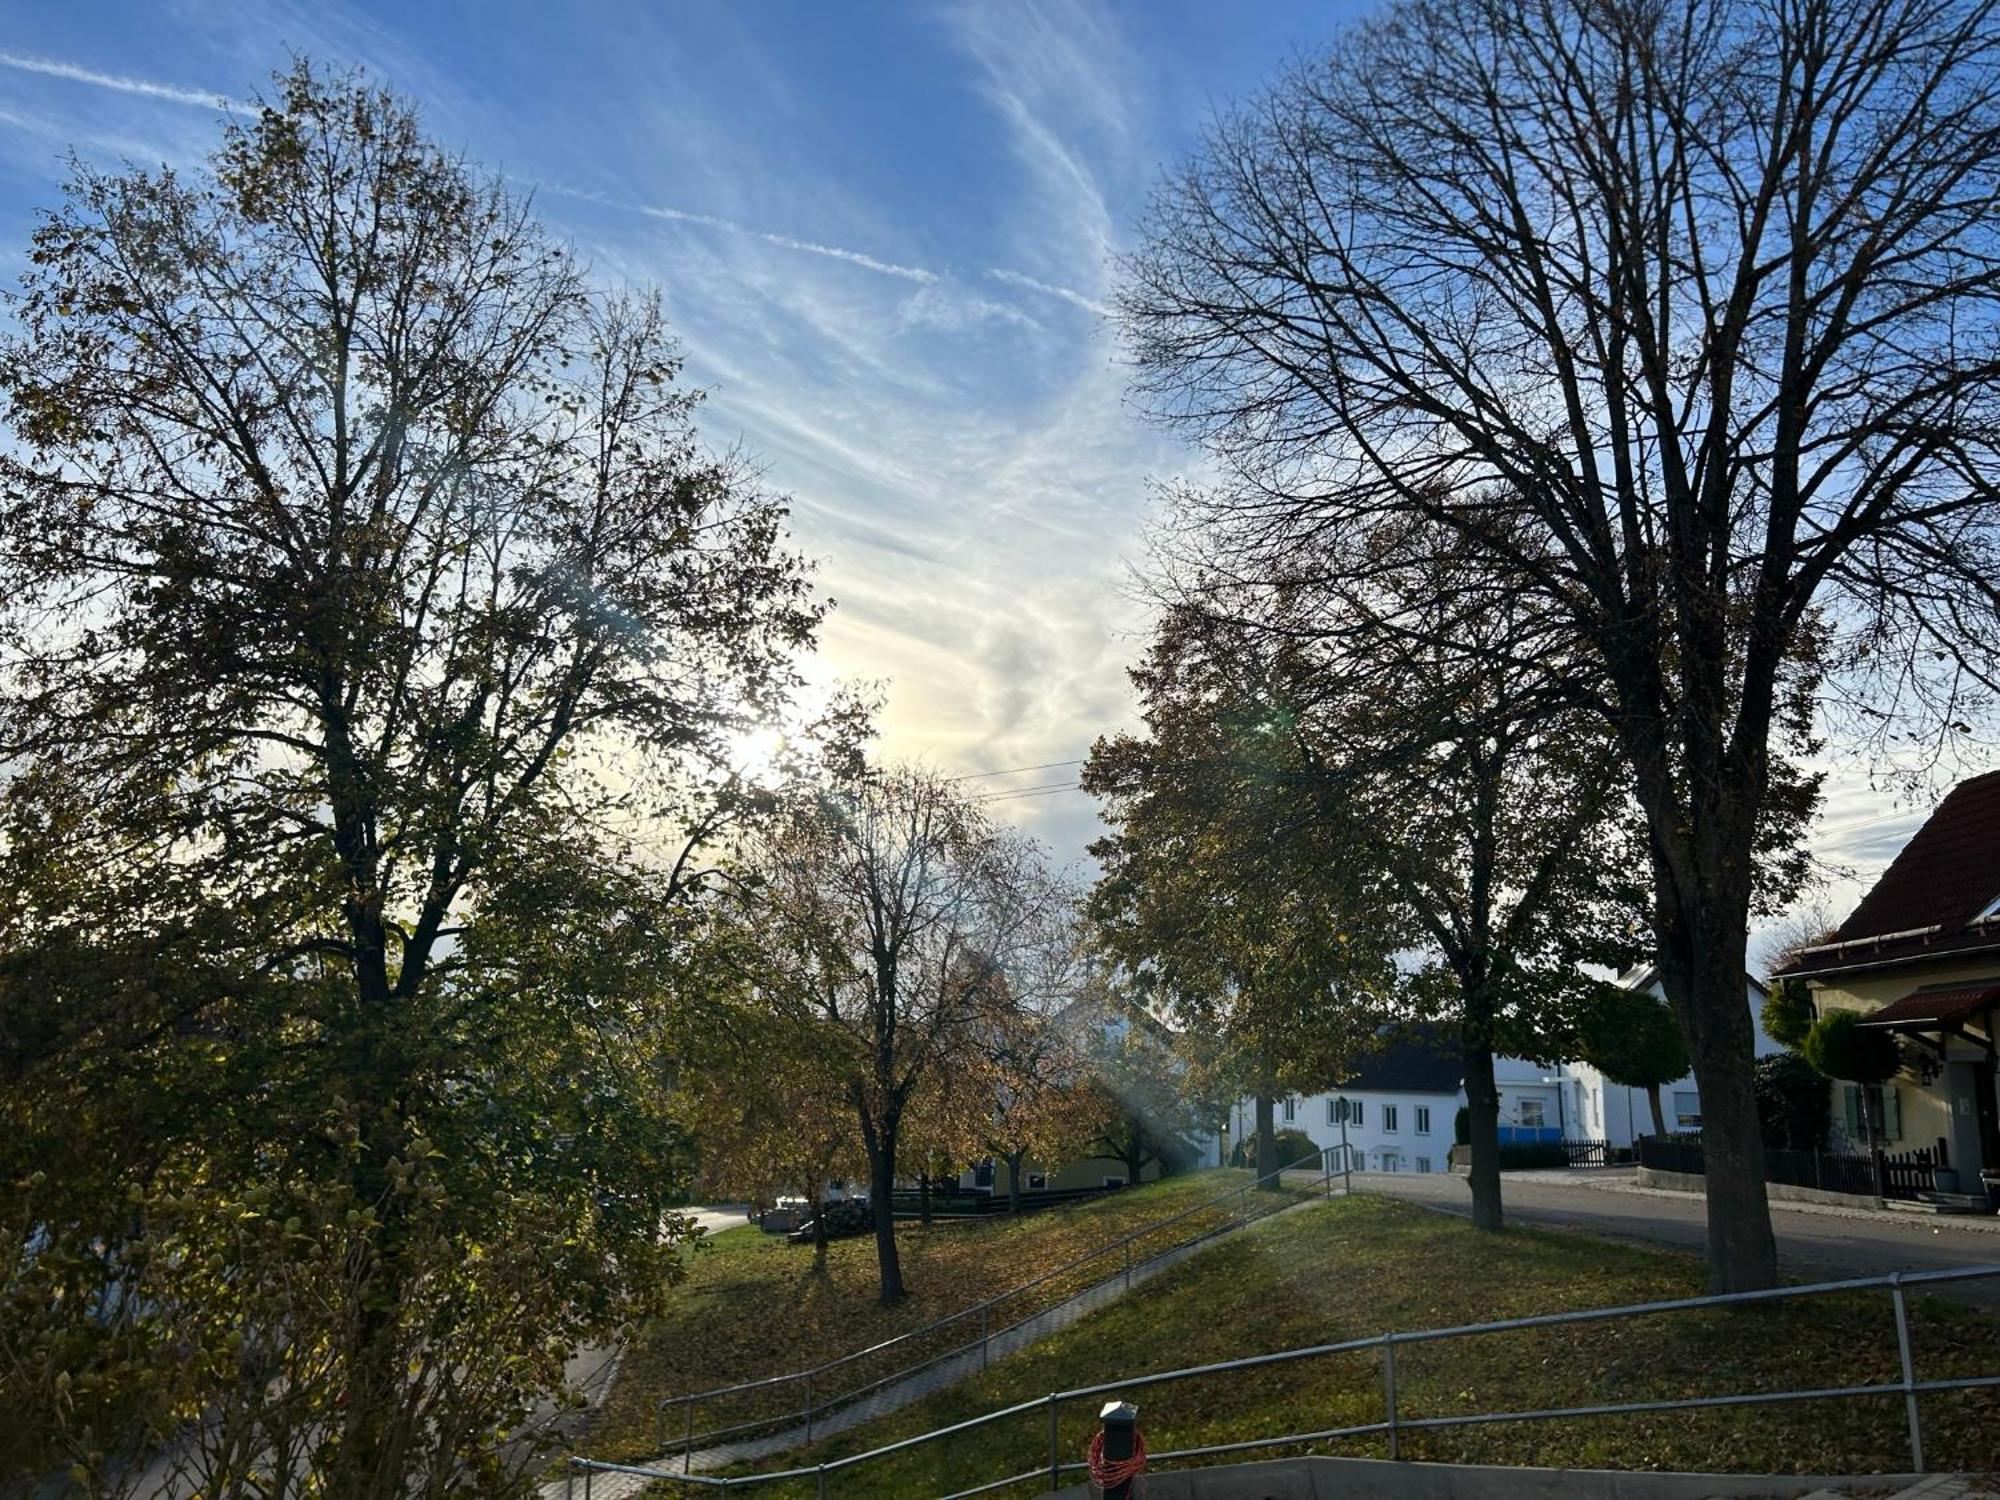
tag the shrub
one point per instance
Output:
(1788, 1013)
(1793, 1102)
(1839, 1046)
(1461, 1126)
(1292, 1145)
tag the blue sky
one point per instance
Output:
(885, 234)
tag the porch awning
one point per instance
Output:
(1936, 1010)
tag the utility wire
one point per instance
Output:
(1047, 765)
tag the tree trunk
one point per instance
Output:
(879, 1138)
(1659, 1114)
(1014, 1160)
(1701, 968)
(816, 1198)
(1267, 1140)
(1482, 1131)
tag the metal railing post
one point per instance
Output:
(586, 1483)
(985, 1334)
(569, 1480)
(1055, 1457)
(1389, 1391)
(1909, 1373)
(687, 1443)
(809, 1405)
(1128, 1265)
(820, 1484)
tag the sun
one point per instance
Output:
(756, 754)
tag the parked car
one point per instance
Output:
(849, 1216)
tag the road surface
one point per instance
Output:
(1814, 1246)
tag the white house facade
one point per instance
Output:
(1399, 1108)
(1600, 1110)
(1403, 1103)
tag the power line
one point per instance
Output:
(1033, 791)
(1013, 771)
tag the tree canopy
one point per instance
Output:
(373, 629)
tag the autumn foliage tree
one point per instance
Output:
(372, 626)
(902, 915)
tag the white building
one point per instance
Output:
(1404, 1101)
(1400, 1107)
(1599, 1110)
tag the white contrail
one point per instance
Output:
(145, 88)
(788, 242)
(1048, 289)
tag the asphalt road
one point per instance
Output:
(1811, 1246)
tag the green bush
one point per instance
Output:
(1461, 1126)
(1292, 1145)
(1788, 1012)
(1839, 1046)
(1794, 1101)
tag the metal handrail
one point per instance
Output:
(1392, 1425)
(1321, 1160)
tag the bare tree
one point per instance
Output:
(911, 921)
(1686, 315)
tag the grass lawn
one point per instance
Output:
(752, 1307)
(1358, 1267)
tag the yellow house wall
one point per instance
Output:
(1926, 1110)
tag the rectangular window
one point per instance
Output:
(1423, 1125)
(1037, 1181)
(1291, 1109)
(1388, 1117)
(1333, 1111)
(1354, 1112)
(1534, 1113)
(1423, 1164)
(1114, 1182)
(1687, 1109)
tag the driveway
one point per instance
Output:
(1814, 1244)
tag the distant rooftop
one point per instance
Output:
(1938, 897)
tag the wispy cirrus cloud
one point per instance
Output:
(49, 67)
(1049, 289)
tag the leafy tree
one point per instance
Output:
(1840, 1046)
(367, 606)
(768, 1108)
(1634, 1040)
(896, 911)
(1143, 1109)
(1788, 1012)
(1684, 317)
(1035, 1091)
(1270, 953)
(1792, 1099)
(1462, 792)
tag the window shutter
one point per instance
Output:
(1892, 1113)
(1850, 1102)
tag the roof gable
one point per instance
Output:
(1946, 875)
(1935, 896)
(1412, 1060)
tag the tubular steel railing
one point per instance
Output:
(1393, 1424)
(815, 1400)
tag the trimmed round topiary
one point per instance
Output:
(1788, 1013)
(1841, 1047)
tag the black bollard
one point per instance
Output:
(1120, 1421)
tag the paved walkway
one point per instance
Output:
(936, 1376)
(1816, 1242)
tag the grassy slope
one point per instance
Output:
(751, 1306)
(1358, 1267)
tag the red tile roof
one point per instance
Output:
(1944, 878)
(1927, 1010)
